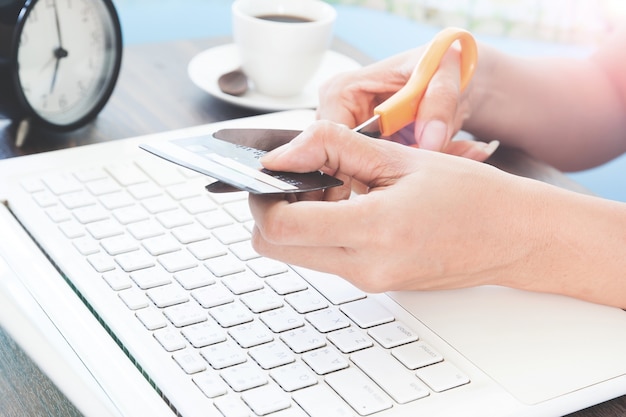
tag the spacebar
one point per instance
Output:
(359, 391)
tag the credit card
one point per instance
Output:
(231, 157)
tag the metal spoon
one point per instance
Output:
(233, 82)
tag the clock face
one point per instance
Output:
(68, 59)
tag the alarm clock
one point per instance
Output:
(59, 61)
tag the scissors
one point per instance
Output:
(400, 109)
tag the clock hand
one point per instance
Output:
(58, 25)
(58, 52)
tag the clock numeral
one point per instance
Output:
(63, 102)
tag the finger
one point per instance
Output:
(478, 151)
(349, 98)
(337, 150)
(437, 117)
(306, 223)
(333, 260)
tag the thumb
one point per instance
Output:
(335, 149)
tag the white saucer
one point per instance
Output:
(205, 68)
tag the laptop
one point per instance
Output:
(138, 293)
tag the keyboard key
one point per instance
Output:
(367, 313)
(134, 299)
(177, 261)
(243, 250)
(325, 360)
(86, 245)
(359, 391)
(442, 376)
(390, 375)
(207, 249)
(130, 214)
(116, 200)
(160, 245)
(335, 289)
(211, 385)
(117, 245)
(101, 262)
(243, 377)
(152, 318)
(150, 277)
(231, 314)
(242, 282)
(167, 295)
(145, 229)
(240, 210)
(198, 204)
(190, 361)
(303, 339)
(181, 315)
(214, 219)
(265, 267)
(350, 339)
(145, 190)
(170, 339)
(251, 334)
(231, 406)
(231, 234)
(61, 183)
(282, 319)
(174, 218)
(194, 278)
(328, 320)
(272, 355)
(77, 199)
(102, 186)
(392, 334)
(306, 301)
(293, 376)
(117, 280)
(191, 233)
(225, 265)
(104, 228)
(135, 260)
(126, 173)
(416, 355)
(222, 355)
(90, 214)
(212, 296)
(286, 283)
(159, 204)
(204, 334)
(266, 399)
(262, 300)
(321, 401)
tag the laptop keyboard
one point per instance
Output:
(254, 336)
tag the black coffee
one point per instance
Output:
(284, 18)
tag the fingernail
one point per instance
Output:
(275, 153)
(433, 135)
(491, 147)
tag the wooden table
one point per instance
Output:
(155, 94)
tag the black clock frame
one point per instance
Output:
(13, 103)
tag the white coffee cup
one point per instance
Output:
(281, 57)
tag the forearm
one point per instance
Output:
(564, 111)
(578, 245)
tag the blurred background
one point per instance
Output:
(525, 27)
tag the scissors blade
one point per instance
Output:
(401, 109)
(370, 127)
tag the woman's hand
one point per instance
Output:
(350, 99)
(428, 220)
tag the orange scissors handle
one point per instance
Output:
(401, 109)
